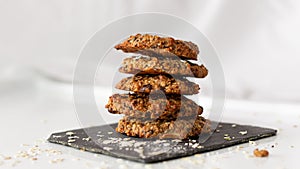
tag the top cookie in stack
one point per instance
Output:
(156, 106)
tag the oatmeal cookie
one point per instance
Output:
(152, 83)
(153, 107)
(179, 129)
(153, 45)
(154, 65)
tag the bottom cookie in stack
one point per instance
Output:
(177, 129)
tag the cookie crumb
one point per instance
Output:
(7, 158)
(34, 159)
(261, 153)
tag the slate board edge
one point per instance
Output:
(147, 160)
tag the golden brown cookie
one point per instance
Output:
(179, 129)
(167, 107)
(153, 45)
(152, 83)
(154, 65)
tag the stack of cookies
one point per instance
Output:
(155, 105)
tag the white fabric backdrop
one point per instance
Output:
(257, 40)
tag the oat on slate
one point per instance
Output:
(153, 45)
(153, 106)
(151, 83)
(154, 65)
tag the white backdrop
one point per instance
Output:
(257, 40)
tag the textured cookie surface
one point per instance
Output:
(152, 83)
(154, 65)
(167, 107)
(179, 129)
(153, 45)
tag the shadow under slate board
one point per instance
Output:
(104, 140)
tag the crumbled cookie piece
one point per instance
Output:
(152, 83)
(260, 153)
(153, 45)
(154, 65)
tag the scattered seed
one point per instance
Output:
(69, 133)
(73, 137)
(238, 148)
(119, 160)
(86, 139)
(243, 132)
(71, 141)
(228, 138)
(253, 143)
(24, 145)
(107, 148)
(200, 146)
(195, 145)
(234, 125)
(109, 132)
(57, 160)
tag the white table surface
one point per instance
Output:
(32, 109)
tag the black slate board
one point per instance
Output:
(104, 140)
